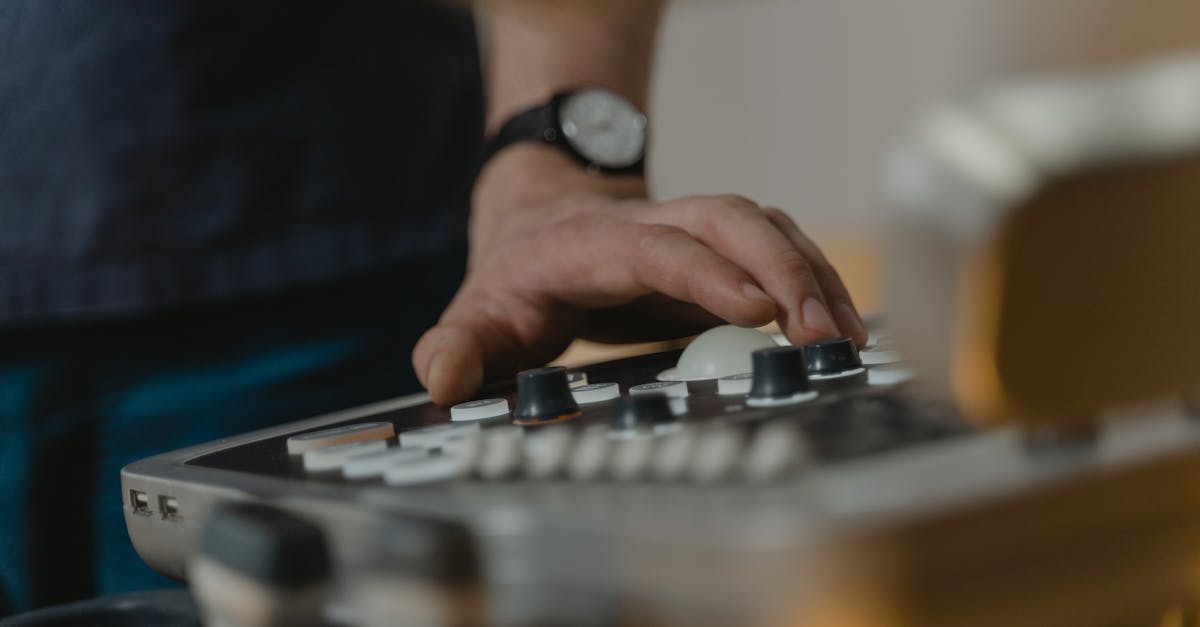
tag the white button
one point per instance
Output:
(421, 471)
(332, 457)
(373, 464)
(464, 450)
(776, 449)
(735, 384)
(479, 410)
(799, 397)
(302, 442)
(435, 436)
(718, 451)
(889, 376)
(673, 454)
(718, 352)
(576, 378)
(547, 450)
(502, 453)
(874, 357)
(877, 339)
(673, 389)
(631, 457)
(590, 455)
(596, 393)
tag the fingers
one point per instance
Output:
(836, 295)
(523, 303)
(740, 231)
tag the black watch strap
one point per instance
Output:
(540, 124)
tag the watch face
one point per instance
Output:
(604, 127)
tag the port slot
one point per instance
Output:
(168, 505)
(140, 502)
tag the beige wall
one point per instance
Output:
(793, 102)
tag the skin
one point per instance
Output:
(559, 253)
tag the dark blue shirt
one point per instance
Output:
(163, 152)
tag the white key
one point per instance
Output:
(884, 375)
(590, 454)
(735, 384)
(596, 393)
(422, 471)
(717, 454)
(373, 464)
(436, 435)
(673, 389)
(673, 455)
(332, 457)
(502, 454)
(775, 450)
(631, 457)
(547, 450)
(464, 450)
(479, 410)
(576, 379)
(298, 444)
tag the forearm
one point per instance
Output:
(533, 49)
(537, 47)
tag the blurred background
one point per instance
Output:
(794, 102)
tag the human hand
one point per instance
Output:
(558, 253)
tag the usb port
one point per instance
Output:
(168, 505)
(140, 502)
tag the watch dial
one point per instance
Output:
(604, 127)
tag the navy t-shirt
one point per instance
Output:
(162, 152)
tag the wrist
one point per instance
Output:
(529, 183)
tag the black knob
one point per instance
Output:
(831, 356)
(544, 394)
(640, 412)
(779, 375)
(266, 544)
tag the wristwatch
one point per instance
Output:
(597, 127)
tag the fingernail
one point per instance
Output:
(848, 313)
(753, 292)
(817, 318)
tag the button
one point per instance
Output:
(463, 450)
(735, 384)
(373, 464)
(673, 455)
(302, 442)
(479, 410)
(596, 393)
(332, 457)
(502, 453)
(776, 450)
(432, 469)
(780, 377)
(630, 458)
(716, 353)
(437, 435)
(544, 395)
(640, 414)
(577, 378)
(590, 455)
(876, 357)
(878, 339)
(672, 389)
(832, 358)
(885, 375)
(717, 454)
(547, 450)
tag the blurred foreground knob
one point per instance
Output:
(544, 395)
(259, 566)
(780, 377)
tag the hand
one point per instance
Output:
(557, 253)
